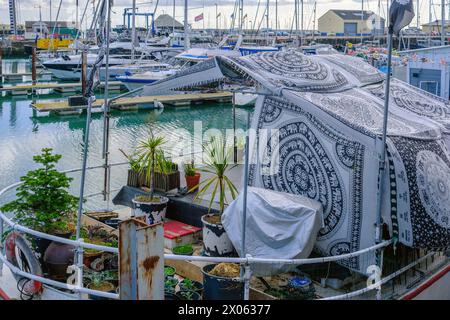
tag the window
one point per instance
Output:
(429, 86)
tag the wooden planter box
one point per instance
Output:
(163, 182)
(167, 182)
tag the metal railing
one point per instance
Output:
(245, 261)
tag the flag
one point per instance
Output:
(400, 15)
(199, 17)
(218, 15)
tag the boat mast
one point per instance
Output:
(276, 16)
(173, 16)
(133, 30)
(186, 26)
(418, 14)
(442, 22)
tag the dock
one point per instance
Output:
(24, 89)
(20, 75)
(127, 103)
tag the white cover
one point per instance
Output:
(279, 225)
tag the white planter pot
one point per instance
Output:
(215, 239)
(155, 212)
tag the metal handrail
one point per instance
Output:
(248, 260)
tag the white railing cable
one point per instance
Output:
(54, 283)
(381, 282)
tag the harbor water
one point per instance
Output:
(24, 132)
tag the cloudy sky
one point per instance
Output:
(29, 10)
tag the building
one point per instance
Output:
(435, 27)
(44, 29)
(429, 69)
(350, 23)
(165, 23)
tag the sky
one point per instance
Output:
(29, 10)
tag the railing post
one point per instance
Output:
(80, 265)
(247, 276)
(141, 260)
(1, 240)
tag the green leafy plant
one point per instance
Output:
(185, 249)
(148, 151)
(170, 282)
(134, 162)
(43, 202)
(164, 165)
(100, 280)
(216, 158)
(97, 235)
(189, 169)
(169, 271)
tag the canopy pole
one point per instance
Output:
(245, 270)
(382, 163)
(106, 114)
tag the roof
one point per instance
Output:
(436, 23)
(165, 21)
(353, 14)
(61, 24)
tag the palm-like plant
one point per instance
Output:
(147, 151)
(216, 159)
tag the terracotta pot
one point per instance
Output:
(192, 181)
(57, 258)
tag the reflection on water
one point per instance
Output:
(23, 135)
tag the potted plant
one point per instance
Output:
(169, 271)
(167, 176)
(152, 207)
(186, 250)
(192, 176)
(222, 282)
(188, 295)
(135, 173)
(99, 281)
(96, 235)
(216, 155)
(188, 284)
(170, 283)
(43, 202)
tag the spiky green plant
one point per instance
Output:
(216, 162)
(147, 152)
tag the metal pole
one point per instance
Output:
(442, 22)
(133, 30)
(382, 163)
(1, 237)
(301, 24)
(362, 20)
(83, 72)
(186, 26)
(246, 269)
(234, 128)
(106, 115)
(173, 22)
(84, 165)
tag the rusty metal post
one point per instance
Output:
(83, 72)
(141, 260)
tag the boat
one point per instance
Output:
(68, 67)
(153, 73)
